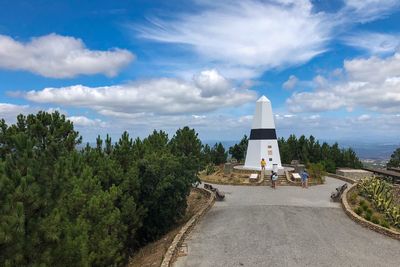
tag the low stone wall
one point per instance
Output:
(343, 178)
(355, 174)
(173, 248)
(360, 220)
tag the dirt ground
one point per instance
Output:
(218, 177)
(152, 254)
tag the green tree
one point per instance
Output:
(394, 159)
(206, 154)
(218, 154)
(238, 151)
(187, 147)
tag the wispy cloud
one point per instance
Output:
(368, 10)
(374, 43)
(250, 35)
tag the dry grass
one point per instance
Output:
(152, 254)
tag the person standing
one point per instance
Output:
(263, 164)
(274, 178)
(304, 179)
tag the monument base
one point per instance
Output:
(246, 169)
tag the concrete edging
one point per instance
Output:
(180, 236)
(360, 220)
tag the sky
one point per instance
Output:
(330, 68)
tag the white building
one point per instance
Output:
(263, 142)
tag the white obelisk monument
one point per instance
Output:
(263, 142)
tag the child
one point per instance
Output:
(304, 179)
(274, 178)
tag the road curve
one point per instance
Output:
(289, 226)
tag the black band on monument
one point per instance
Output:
(262, 134)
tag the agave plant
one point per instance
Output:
(380, 194)
(393, 214)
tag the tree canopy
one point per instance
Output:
(63, 206)
(394, 159)
(238, 151)
(307, 150)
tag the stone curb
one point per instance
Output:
(360, 220)
(180, 236)
(343, 178)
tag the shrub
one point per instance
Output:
(375, 219)
(362, 202)
(369, 211)
(367, 216)
(210, 169)
(364, 206)
(317, 172)
(384, 223)
(358, 210)
(353, 198)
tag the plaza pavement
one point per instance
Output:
(289, 226)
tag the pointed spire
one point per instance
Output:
(263, 99)
(263, 117)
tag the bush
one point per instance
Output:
(358, 210)
(369, 211)
(384, 223)
(210, 169)
(365, 207)
(367, 216)
(353, 198)
(362, 202)
(316, 171)
(375, 219)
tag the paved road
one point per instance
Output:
(289, 226)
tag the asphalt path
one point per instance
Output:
(289, 226)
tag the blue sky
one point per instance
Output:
(330, 68)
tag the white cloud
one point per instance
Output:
(211, 83)
(248, 36)
(159, 96)
(85, 121)
(364, 117)
(371, 83)
(9, 112)
(59, 56)
(368, 10)
(374, 43)
(290, 83)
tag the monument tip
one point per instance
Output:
(263, 99)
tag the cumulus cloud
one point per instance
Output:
(163, 96)
(374, 43)
(290, 83)
(247, 35)
(372, 83)
(59, 56)
(85, 121)
(9, 112)
(211, 83)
